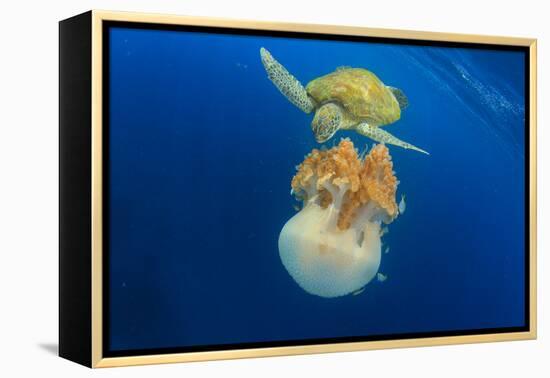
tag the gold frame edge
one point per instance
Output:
(98, 16)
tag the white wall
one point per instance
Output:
(28, 186)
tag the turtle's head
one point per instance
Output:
(326, 122)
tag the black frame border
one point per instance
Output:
(75, 189)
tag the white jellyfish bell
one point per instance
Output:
(332, 246)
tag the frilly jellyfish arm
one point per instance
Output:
(337, 194)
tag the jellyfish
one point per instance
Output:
(332, 246)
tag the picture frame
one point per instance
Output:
(84, 108)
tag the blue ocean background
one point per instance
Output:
(202, 149)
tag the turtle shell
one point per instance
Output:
(360, 92)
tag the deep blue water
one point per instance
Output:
(202, 151)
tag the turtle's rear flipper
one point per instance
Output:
(381, 136)
(400, 97)
(286, 83)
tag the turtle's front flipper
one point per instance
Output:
(381, 136)
(286, 83)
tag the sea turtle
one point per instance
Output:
(347, 99)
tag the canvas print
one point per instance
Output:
(270, 189)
